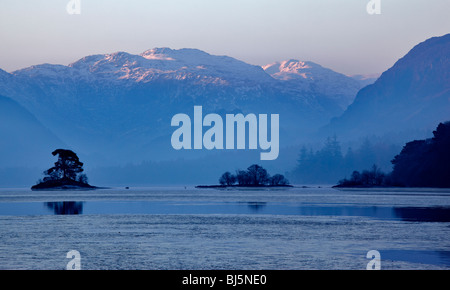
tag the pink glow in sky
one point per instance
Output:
(340, 35)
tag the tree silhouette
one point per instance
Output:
(242, 177)
(68, 166)
(421, 163)
(257, 175)
(67, 171)
(367, 178)
(227, 179)
(278, 179)
(425, 163)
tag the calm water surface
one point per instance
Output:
(188, 228)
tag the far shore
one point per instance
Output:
(391, 188)
(243, 186)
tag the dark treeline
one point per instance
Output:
(367, 178)
(421, 163)
(329, 164)
(255, 175)
(425, 163)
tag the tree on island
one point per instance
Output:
(278, 179)
(67, 172)
(68, 166)
(227, 179)
(242, 177)
(255, 175)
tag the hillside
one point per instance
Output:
(408, 99)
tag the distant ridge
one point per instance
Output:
(108, 105)
(413, 93)
(21, 132)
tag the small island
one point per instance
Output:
(254, 176)
(67, 174)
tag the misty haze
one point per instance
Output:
(317, 167)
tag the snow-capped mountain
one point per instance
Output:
(310, 76)
(166, 63)
(116, 108)
(120, 103)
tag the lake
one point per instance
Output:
(239, 229)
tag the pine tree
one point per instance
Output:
(67, 172)
(68, 166)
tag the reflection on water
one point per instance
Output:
(410, 214)
(65, 207)
(256, 206)
(195, 229)
(423, 214)
(346, 210)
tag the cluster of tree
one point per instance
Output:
(255, 175)
(421, 163)
(68, 170)
(424, 163)
(366, 178)
(329, 164)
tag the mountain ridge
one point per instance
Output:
(122, 100)
(314, 76)
(17, 127)
(413, 93)
(115, 108)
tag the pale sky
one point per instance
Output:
(338, 34)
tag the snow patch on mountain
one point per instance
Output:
(289, 69)
(164, 63)
(308, 75)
